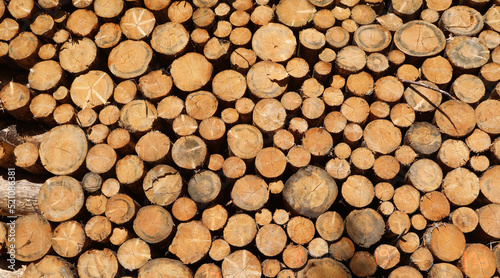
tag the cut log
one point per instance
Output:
(453, 153)
(365, 227)
(164, 265)
(445, 269)
(138, 116)
(108, 36)
(270, 162)
(382, 136)
(462, 21)
(162, 185)
(23, 49)
(461, 186)
(271, 240)
(9, 28)
(33, 236)
(82, 23)
(191, 242)
(355, 109)
(98, 229)
(406, 198)
(229, 85)
(409, 36)
(295, 13)
(318, 199)
(274, 42)
(241, 262)
(477, 261)
(208, 270)
(294, 256)
(137, 23)
(267, 79)
(184, 209)
(488, 220)
(153, 224)
(96, 204)
(405, 271)
(350, 59)
(372, 38)
(358, 191)
(133, 254)
(422, 259)
(234, 167)
(445, 241)
(477, 53)
(60, 198)
(386, 256)
(27, 157)
(455, 118)
(434, 206)
(77, 56)
(219, 250)
(124, 65)
(363, 264)
(300, 230)
(50, 266)
(487, 114)
(424, 138)
(180, 11)
(121, 208)
(465, 218)
(91, 264)
(214, 218)
(240, 230)
(204, 187)
(315, 268)
(271, 267)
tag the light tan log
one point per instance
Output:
(408, 36)
(9, 28)
(453, 153)
(445, 269)
(98, 229)
(405, 271)
(234, 167)
(33, 236)
(184, 125)
(477, 261)
(96, 203)
(154, 146)
(263, 217)
(110, 187)
(191, 242)
(434, 206)
(266, 45)
(138, 116)
(358, 191)
(240, 230)
(267, 79)
(488, 220)
(418, 222)
(486, 115)
(124, 66)
(180, 11)
(121, 208)
(242, 59)
(425, 182)
(77, 56)
(465, 218)
(208, 270)
(424, 138)
(133, 254)
(406, 198)
(23, 49)
(91, 263)
(386, 256)
(294, 256)
(164, 265)
(160, 179)
(50, 266)
(315, 268)
(477, 55)
(219, 250)
(242, 262)
(156, 231)
(283, 140)
(214, 218)
(271, 240)
(362, 233)
(271, 267)
(184, 209)
(422, 259)
(137, 23)
(300, 230)
(101, 159)
(191, 72)
(455, 118)
(342, 250)
(108, 36)
(461, 186)
(82, 23)
(303, 12)
(445, 241)
(382, 136)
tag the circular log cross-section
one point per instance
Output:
(274, 42)
(153, 224)
(189, 152)
(60, 198)
(162, 185)
(462, 21)
(191, 242)
(372, 38)
(160, 266)
(138, 116)
(245, 141)
(91, 89)
(382, 136)
(250, 193)
(130, 59)
(310, 191)
(170, 39)
(445, 241)
(455, 118)
(63, 149)
(97, 263)
(267, 79)
(365, 227)
(76, 56)
(467, 53)
(32, 237)
(137, 23)
(419, 39)
(69, 239)
(191, 72)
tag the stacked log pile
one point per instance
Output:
(290, 138)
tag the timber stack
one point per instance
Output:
(250, 138)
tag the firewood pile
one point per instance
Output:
(250, 138)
